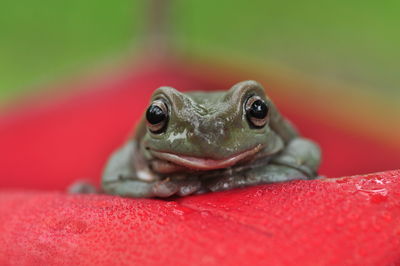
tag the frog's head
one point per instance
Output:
(213, 130)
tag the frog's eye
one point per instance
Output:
(157, 117)
(256, 112)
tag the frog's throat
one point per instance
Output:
(205, 164)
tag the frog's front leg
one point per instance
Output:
(301, 154)
(120, 176)
(128, 175)
(299, 160)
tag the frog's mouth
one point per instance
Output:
(205, 164)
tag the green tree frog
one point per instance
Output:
(197, 142)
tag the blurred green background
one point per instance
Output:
(349, 42)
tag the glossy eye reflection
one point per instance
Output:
(257, 112)
(157, 117)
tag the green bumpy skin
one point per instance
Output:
(209, 142)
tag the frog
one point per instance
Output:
(207, 141)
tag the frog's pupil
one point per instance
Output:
(155, 115)
(258, 109)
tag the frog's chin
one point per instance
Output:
(205, 164)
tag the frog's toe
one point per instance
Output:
(165, 188)
(82, 187)
(189, 187)
(224, 183)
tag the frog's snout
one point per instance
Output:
(210, 135)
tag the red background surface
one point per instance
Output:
(49, 144)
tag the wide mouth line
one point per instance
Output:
(198, 163)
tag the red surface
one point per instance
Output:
(354, 221)
(48, 145)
